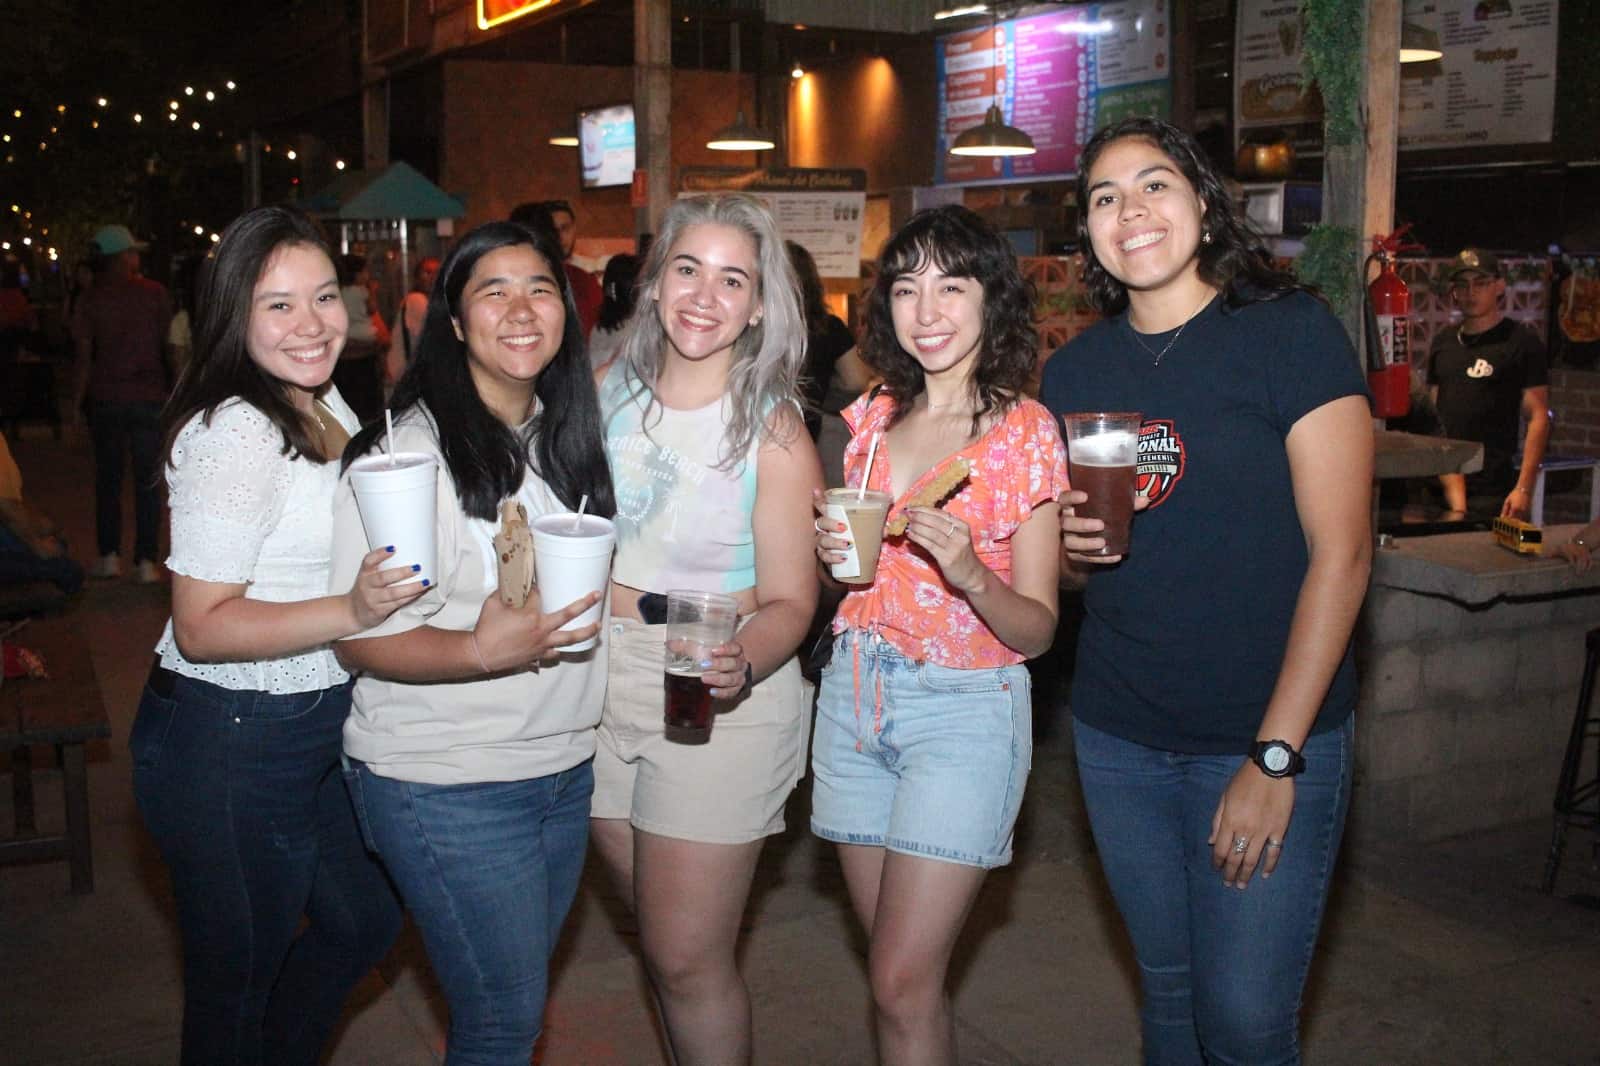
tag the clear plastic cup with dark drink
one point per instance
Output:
(697, 622)
(1103, 449)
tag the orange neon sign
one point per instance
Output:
(494, 12)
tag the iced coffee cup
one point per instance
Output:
(397, 504)
(572, 558)
(863, 514)
(1103, 450)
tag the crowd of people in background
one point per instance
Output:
(327, 740)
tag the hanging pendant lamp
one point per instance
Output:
(741, 137)
(993, 137)
(1418, 44)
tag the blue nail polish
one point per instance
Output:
(426, 582)
(415, 567)
(390, 549)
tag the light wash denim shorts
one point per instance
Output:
(919, 758)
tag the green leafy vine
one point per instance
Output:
(1329, 262)
(1333, 56)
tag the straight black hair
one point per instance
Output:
(221, 368)
(486, 457)
(1234, 261)
(957, 242)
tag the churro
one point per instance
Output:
(513, 549)
(931, 494)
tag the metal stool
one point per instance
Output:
(1575, 803)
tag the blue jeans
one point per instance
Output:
(919, 758)
(1222, 970)
(242, 793)
(489, 872)
(121, 430)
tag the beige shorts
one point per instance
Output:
(730, 790)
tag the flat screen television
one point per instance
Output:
(605, 146)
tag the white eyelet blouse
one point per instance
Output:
(245, 513)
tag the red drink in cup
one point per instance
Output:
(1103, 448)
(697, 622)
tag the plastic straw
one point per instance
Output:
(866, 475)
(388, 438)
(577, 519)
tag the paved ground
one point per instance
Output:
(1437, 954)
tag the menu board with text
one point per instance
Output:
(1271, 90)
(1497, 81)
(820, 209)
(1494, 85)
(1058, 76)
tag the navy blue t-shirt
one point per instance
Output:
(1184, 639)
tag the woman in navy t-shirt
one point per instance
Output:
(1214, 687)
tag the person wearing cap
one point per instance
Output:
(1483, 374)
(587, 294)
(122, 378)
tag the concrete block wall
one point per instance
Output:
(1464, 710)
(1575, 399)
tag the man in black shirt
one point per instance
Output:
(1483, 375)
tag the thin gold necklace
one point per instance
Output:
(1165, 348)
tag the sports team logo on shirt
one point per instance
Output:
(1481, 369)
(1161, 460)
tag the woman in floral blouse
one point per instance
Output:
(924, 724)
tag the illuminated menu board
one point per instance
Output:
(1058, 76)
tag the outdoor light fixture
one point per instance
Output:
(798, 72)
(993, 137)
(1418, 44)
(957, 12)
(741, 137)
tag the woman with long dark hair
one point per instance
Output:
(618, 287)
(471, 739)
(236, 744)
(1214, 689)
(924, 731)
(713, 470)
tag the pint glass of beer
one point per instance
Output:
(1103, 450)
(696, 623)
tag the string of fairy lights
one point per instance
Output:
(42, 129)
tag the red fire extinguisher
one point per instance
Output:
(1389, 351)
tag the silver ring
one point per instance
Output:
(1274, 843)
(1241, 845)
(817, 525)
(952, 530)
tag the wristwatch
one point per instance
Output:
(1277, 758)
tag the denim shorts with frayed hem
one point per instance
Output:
(919, 758)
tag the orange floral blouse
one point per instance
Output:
(1017, 465)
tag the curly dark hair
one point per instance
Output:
(960, 244)
(1234, 260)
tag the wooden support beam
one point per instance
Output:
(652, 97)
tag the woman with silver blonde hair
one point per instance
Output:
(713, 471)
(767, 357)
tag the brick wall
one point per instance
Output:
(1575, 399)
(498, 118)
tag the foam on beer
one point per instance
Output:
(1117, 448)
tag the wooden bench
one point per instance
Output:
(65, 711)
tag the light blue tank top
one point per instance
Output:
(681, 522)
